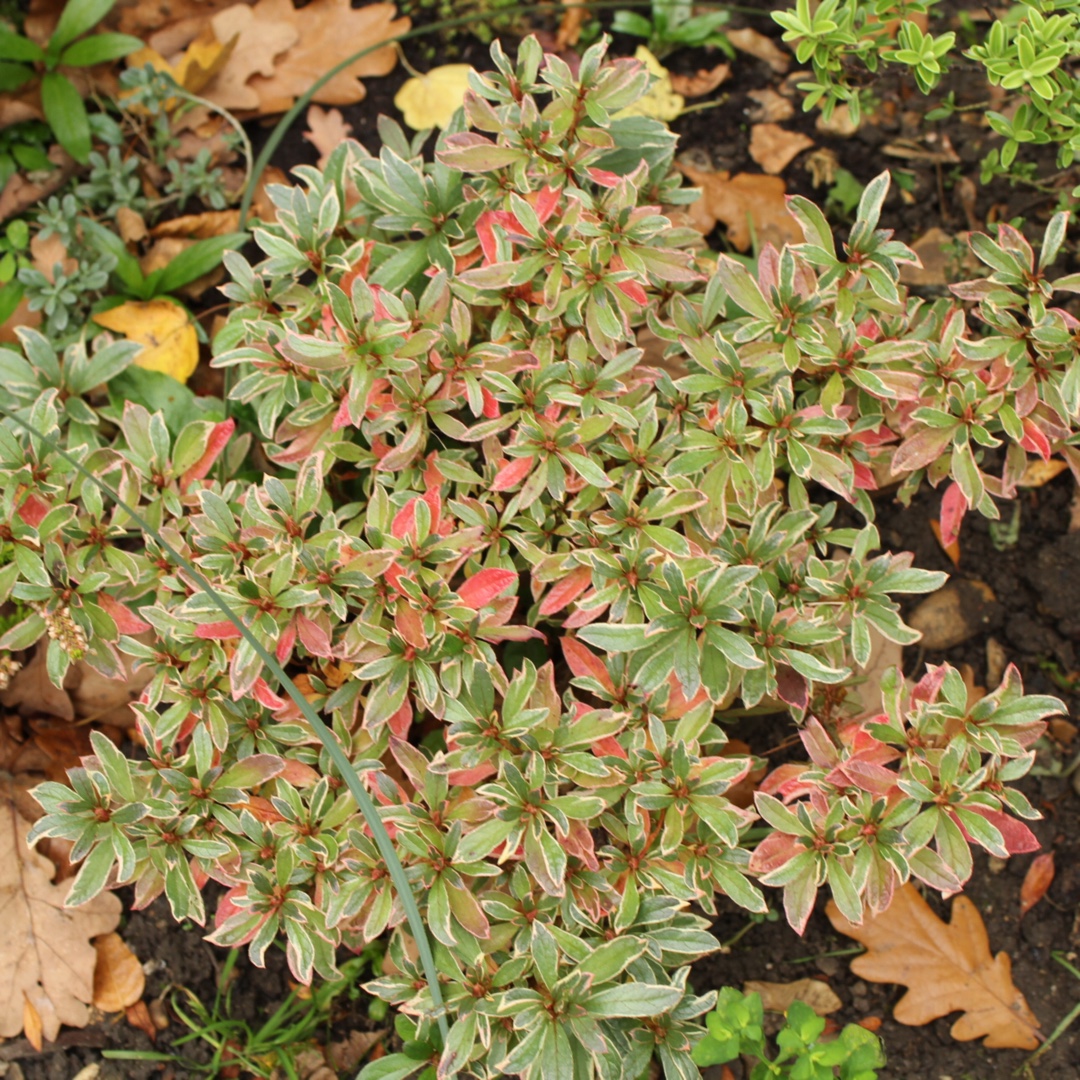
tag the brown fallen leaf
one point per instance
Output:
(258, 41)
(21, 316)
(778, 997)
(20, 193)
(326, 128)
(764, 48)
(884, 656)
(144, 17)
(32, 691)
(199, 226)
(15, 110)
(51, 252)
(952, 549)
(131, 224)
(570, 25)
(32, 1026)
(262, 209)
(704, 82)
(769, 107)
(946, 967)
(1037, 880)
(751, 206)
(840, 124)
(1063, 731)
(119, 980)
(954, 613)
(774, 147)
(330, 31)
(45, 951)
(346, 1054)
(997, 660)
(138, 1016)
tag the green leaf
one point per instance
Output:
(78, 16)
(99, 49)
(391, 1067)
(615, 637)
(12, 76)
(633, 1000)
(16, 47)
(92, 876)
(197, 260)
(66, 114)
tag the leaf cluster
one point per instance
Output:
(736, 1029)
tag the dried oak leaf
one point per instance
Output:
(143, 17)
(774, 147)
(326, 128)
(330, 31)
(946, 967)
(45, 951)
(704, 82)
(764, 48)
(751, 206)
(259, 38)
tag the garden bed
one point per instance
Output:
(1031, 619)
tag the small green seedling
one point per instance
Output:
(736, 1028)
(673, 24)
(23, 60)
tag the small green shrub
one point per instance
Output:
(674, 24)
(23, 61)
(524, 570)
(1029, 51)
(736, 1030)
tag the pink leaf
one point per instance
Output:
(214, 631)
(954, 506)
(1019, 839)
(584, 663)
(512, 474)
(603, 177)
(1034, 439)
(286, 642)
(567, 590)
(265, 696)
(127, 622)
(314, 637)
(219, 437)
(33, 510)
(482, 588)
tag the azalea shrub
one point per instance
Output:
(532, 496)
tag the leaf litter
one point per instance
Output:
(947, 967)
(46, 952)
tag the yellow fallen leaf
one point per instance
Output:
(203, 59)
(430, 100)
(166, 333)
(661, 101)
